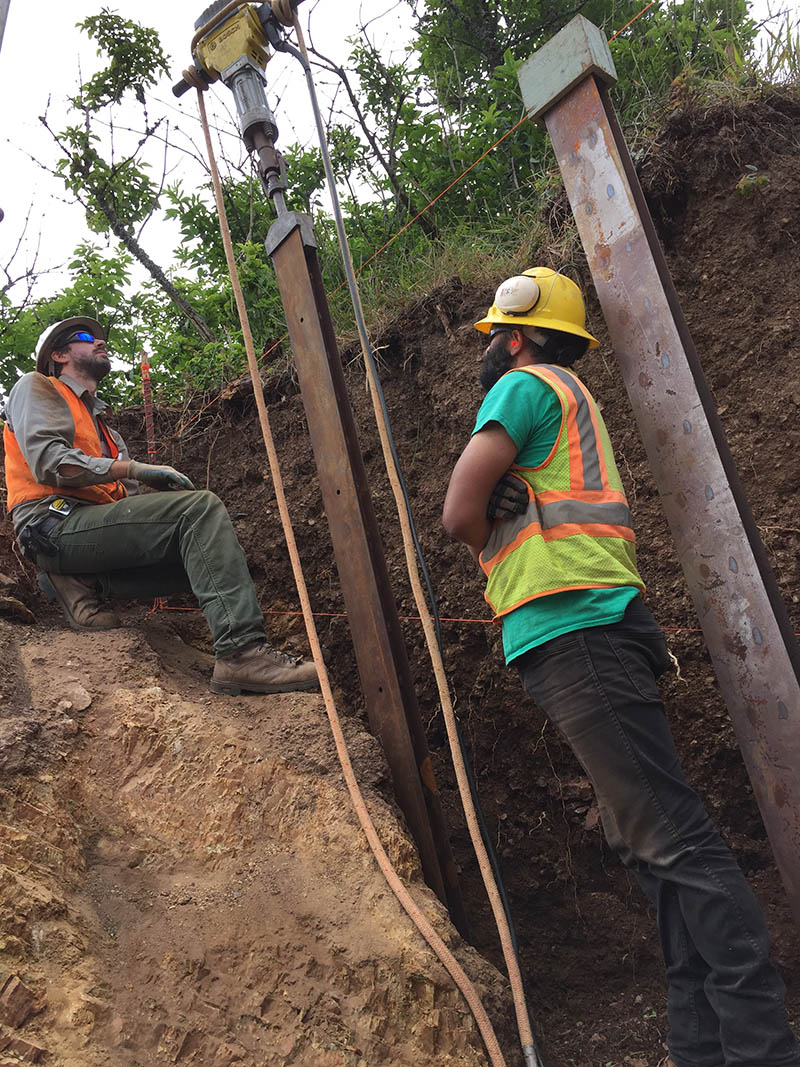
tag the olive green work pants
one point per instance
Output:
(163, 544)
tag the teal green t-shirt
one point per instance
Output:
(529, 411)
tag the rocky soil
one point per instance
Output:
(132, 822)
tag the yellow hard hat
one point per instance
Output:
(539, 297)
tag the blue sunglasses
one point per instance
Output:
(81, 335)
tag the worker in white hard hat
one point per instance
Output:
(77, 513)
(537, 498)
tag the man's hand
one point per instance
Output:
(509, 498)
(158, 476)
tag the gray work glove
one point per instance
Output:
(509, 498)
(158, 476)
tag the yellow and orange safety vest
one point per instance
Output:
(576, 532)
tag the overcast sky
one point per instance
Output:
(42, 59)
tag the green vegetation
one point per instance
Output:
(416, 126)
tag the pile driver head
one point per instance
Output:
(227, 31)
(239, 34)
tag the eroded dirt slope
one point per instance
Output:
(183, 879)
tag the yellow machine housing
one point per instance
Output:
(239, 35)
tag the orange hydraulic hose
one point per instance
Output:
(406, 900)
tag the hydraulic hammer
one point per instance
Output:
(233, 43)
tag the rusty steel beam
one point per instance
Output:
(381, 656)
(744, 620)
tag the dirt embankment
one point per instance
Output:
(139, 813)
(183, 879)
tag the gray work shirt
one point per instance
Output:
(42, 423)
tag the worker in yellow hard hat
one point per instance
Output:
(73, 495)
(537, 498)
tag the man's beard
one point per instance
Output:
(96, 365)
(496, 362)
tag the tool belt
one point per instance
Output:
(35, 538)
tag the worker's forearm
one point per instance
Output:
(483, 462)
(119, 468)
(72, 474)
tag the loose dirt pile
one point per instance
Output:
(137, 815)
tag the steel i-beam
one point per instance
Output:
(744, 621)
(381, 657)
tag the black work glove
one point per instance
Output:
(158, 476)
(509, 498)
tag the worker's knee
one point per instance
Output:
(201, 501)
(205, 498)
(205, 508)
(198, 508)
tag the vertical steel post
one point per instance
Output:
(238, 46)
(381, 657)
(735, 594)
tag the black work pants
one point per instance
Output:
(725, 998)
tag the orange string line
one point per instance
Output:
(160, 604)
(627, 24)
(441, 194)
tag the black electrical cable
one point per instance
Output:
(473, 788)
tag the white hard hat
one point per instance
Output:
(54, 333)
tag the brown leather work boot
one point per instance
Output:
(78, 599)
(262, 669)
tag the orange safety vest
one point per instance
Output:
(22, 485)
(576, 532)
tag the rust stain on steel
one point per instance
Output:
(746, 640)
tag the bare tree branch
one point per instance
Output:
(123, 234)
(391, 171)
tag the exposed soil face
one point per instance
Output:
(184, 879)
(589, 948)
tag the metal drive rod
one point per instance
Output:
(381, 657)
(735, 594)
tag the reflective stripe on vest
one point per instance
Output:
(577, 531)
(20, 482)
